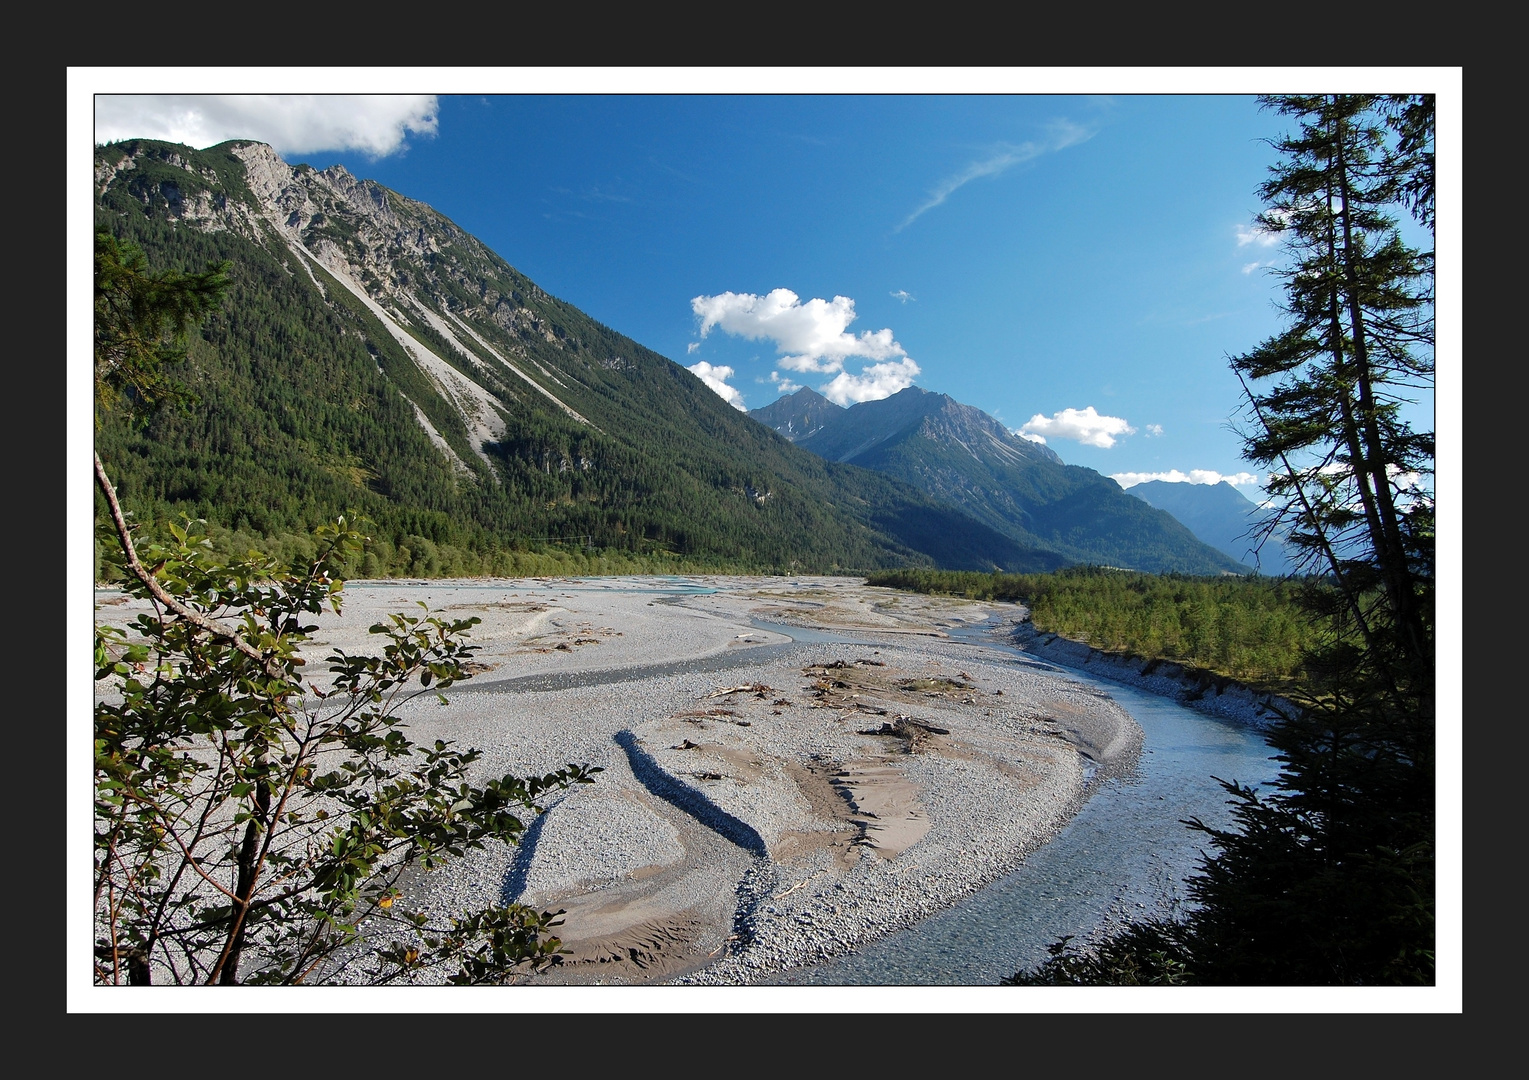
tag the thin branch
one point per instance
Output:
(1313, 519)
(130, 553)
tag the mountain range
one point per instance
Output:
(962, 456)
(1224, 518)
(373, 358)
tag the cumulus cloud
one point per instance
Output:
(1081, 425)
(813, 338)
(1154, 430)
(1060, 135)
(373, 124)
(902, 296)
(872, 384)
(716, 378)
(1193, 476)
(1412, 489)
(784, 384)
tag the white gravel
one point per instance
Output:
(735, 835)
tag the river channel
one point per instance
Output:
(1125, 855)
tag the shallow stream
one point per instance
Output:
(1124, 855)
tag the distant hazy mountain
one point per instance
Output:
(960, 455)
(1221, 516)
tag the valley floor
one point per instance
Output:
(792, 766)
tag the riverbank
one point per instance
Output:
(1193, 688)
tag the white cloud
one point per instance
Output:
(783, 384)
(1032, 437)
(813, 337)
(872, 384)
(1256, 234)
(692, 347)
(716, 378)
(902, 296)
(374, 124)
(1154, 430)
(1193, 476)
(1265, 231)
(1063, 133)
(1248, 268)
(1081, 425)
(1410, 488)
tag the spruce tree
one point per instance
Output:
(1328, 879)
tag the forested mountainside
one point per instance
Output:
(373, 358)
(960, 455)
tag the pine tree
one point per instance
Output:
(1329, 878)
(1350, 474)
(141, 319)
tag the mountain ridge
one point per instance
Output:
(375, 358)
(1223, 517)
(963, 456)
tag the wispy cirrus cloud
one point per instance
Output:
(1254, 234)
(1060, 135)
(596, 193)
(376, 125)
(1265, 231)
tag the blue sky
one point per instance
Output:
(1079, 265)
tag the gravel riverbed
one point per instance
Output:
(765, 803)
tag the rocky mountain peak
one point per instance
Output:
(798, 415)
(264, 171)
